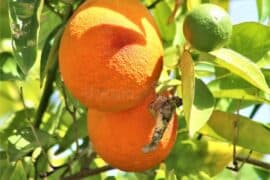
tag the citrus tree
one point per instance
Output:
(129, 89)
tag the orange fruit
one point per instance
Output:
(110, 54)
(119, 137)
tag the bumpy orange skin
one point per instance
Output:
(120, 137)
(110, 54)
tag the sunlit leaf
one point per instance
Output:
(251, 134)
(49, 52)
(188, 83)
(8, 67)
(202, 107)
(76, 130)
(161, 14)
(241, 66)
(222, 3)
(198, 159)
(25, 140)
(231, 86)
(192, 4)
(263, 7)
(165, 85)
(171, 56)
(24, 23)
(251, 39)
(10, 125)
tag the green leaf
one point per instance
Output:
(198, 159)
(161, 14)
(49, 52)
(222, 3)
(9, 126)
(241, 66)
(231, 86)
(188, 83)
(263, 7)
(24, 23)
(165, 85)
(8, 67)
(25, 141)
(171, 56)
(251, 134)
(77, 130)
(5, 30)
(251, 39)
(19, 172)
(192, 4)
(202, 107)
(5, 173)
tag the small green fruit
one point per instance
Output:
(207, 27)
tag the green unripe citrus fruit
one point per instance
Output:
(207, 27)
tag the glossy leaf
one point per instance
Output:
(202, 107)
(251, 135)
(188, 83)
(49, 52)
(250, 39)
(222, 3)
(24, 23)
(171, 57)
(263, 7)
(25, 141)
(8, 67)
(10, 125)
(241, 66)
(231, 86)
(192, 4)
(198, 159)
(161, 14)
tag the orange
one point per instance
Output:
(119, 137)
(110, 54)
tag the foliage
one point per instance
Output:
(43, 128)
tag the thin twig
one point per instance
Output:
(176, 7)
(51, 74)
(88, 172)
(254, 162)
(72, 111)
(33, 128)
(153, 5)
(254, 110)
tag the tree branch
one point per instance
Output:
(51, 74)
(153, 5)
(254, 162)
(88, 172)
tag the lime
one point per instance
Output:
(207, 27)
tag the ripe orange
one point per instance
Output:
(110, 54)
(119, 137)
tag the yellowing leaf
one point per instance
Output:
(188, 83)
(251, 134)
(202, 107)
(241, 66)
(192, 4)
(222, 3)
